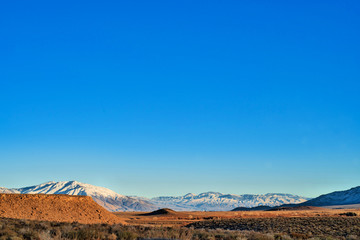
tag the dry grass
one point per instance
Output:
(257, 225)
(229, 229)
(301, 227)
(16, 229)
(184, 218)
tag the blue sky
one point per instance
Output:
(168, 97)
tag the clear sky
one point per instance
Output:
(156, 98)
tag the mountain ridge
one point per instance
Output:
(344, 197)
(106, 198)
(206, 201)
(216, 201)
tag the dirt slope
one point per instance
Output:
(163, 211)
(60, 208)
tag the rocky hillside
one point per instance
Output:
(60, 208)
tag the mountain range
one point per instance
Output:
(351, 196)
(208, 201)
(107, 198)
(112, 201)
(214, 201)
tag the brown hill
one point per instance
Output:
(296, 208)
(258, 208)
(59, 208)
(163, 211)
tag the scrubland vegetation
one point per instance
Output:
(251, 229)
(295, 227)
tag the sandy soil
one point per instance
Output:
(58, 208)
(184, 218)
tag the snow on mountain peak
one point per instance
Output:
(70, 188)
(112, 201)
(5, 190)
(189, 195)
(107, 198)
(215, 201)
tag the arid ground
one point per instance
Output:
(57, 208)
(38, 216)
(171, 218)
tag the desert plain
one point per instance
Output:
(46, 216)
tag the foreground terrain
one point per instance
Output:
(247, 229)
(41, 216)
(299, 227)
(170, 218)
(61, 208)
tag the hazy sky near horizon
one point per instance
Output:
(156, 98)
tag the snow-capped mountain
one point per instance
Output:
(5, 190)
(107, 198)
(214, 201)
(351, 196)
(112, 201)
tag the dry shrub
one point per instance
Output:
(348, 214)
(252, 229)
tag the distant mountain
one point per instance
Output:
(351, 196)
(5, 190)
(214, 201)
(112, 201)
(107, 198)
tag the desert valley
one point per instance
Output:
(183, 120)
(66, 207)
